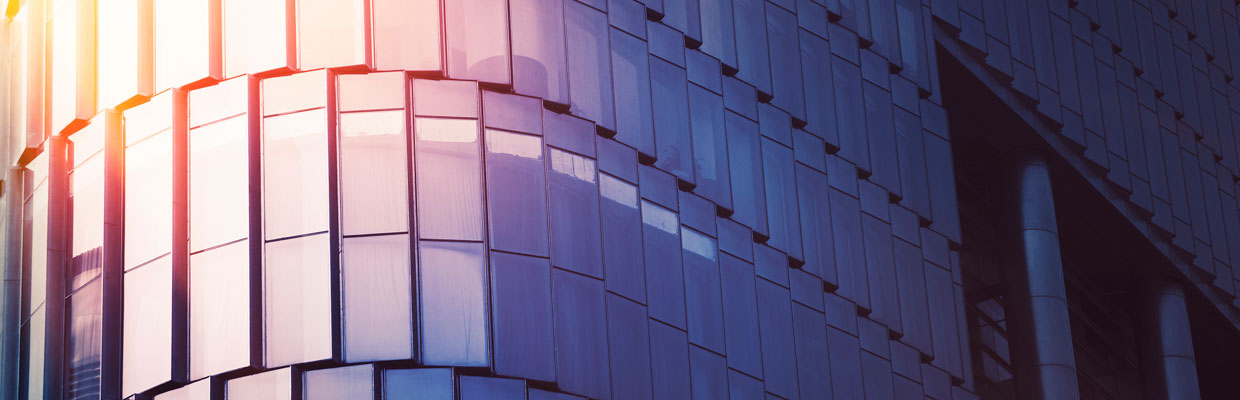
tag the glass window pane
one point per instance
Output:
(295, 92)
(630, 70)
(477, 33)
(86, 199)
(744, 157)
(573, 194)
(297, 300)
(219, 186)
(521, 303)
(73, 99)
(148, 327)
(270, 385)
(517, 193)
(374, 172)
(148, 199)
(84, 342)
(710, 147)
(295, 197)
(219, 310)
(214, 103)
(703, 299)
(355, 382)
(445, 98)
(589, 63)
(581, 334)
(665, 289)
(669, 91)
(376, 91)
(255, 38)
(622, 238)
(36, 219)
(539, 66)
(452, 296)
(378, 308)
(202, 390)
(781, 198)
(125, 68)
(421, 383)
(407, 35)
(183, 43)
(512, 112)
(34, 331)
(449, 176)
(332, 33)
(486, 388)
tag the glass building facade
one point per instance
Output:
(619, 199)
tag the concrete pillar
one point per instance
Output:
(1035, 299)
(1168, 364)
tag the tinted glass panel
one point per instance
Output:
(581, 334)
(449, 176)
(517, 193)
(710, 146)
(376, 91)
(407, 35)
(297, 300)
(484, 388)
(702, 291)
(378, 309)
(201, 390)
(478, 40)
(66, 90)
(356, 382)
(148, 199)
(148, 327)
(539, 66)
(85, 341)
(273, 385)
(630, 70)
(295, 171)
(332, 33)
(664, 275)
(521, 303)
(374, 180)
(183, 43)
(589, 64)
(218, 183)
(219, 310)
(452, 297)
(573, 192)
(622, 238)
(86, 197)
(668, 89)
(423, 383)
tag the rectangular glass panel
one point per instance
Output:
(378, 308)
(581, 334)
(295, 92)
(219, 186)
(201, 390)
(270, 385)
(453, 303)
(670, 94)
(576, 241)
(407, 35)
(148, 327)
(219, 310)
(85, 341)
(34, 330)
(86, 199)
(622, 238)
(477, 33)
(355, 382)
(539, 66)
(517, 193)
(589, 64)
(255, 36)
(125, 68)
(449, 176)
(148, 199)
(710, 147)
(297, 307)
(703, 298)
(332, 33)
(420, 383)
(295, 197)
(521, 311)
(63, 32)
(183, 43)
(214, 103)
(665, 289)
(374, 91)
(373, 167)
(630, 71)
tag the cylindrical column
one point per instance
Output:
(1167, 343)
(10, 308)
(1036, 302)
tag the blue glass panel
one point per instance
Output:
(704, 71)
(569, 133)
(295, 197)
(850, 115)
(539, 64)
(781, 199)
(849, 249)
(589, 64)
(814, 204)
(275, 385)
(735, 239)
(407, 35)
(512, 112)
(664, 274)
(669, 362)
(627, 15)
(915, 317)
(752, 59)
(786, 86)
(666, 43)
(517, 194)
(377, 301)
(449, 179)
(744, 387)
(535, 394)
(669, 89)
(771, 264)
(806, 289)
(297, 287)
(629, 342)
(521, 317)
(876, 373)
(718, 31)
(617, 159)
(841, 313)
(740, 316)
(845, 359)
(882, 138)
(880, 269)
(445, 98)
(374, 182)
(581, 334)
(819, 89)
(709, 374)
(744, 157)
(84, 341)
(710, 147)
(775, 124)
(813, 361)
(740, 97)
(485, 388)
(219, 310)
(452, 304)
(422, 383)
(683, 15)
(703, 302)
(659, 187)
(477, 36)
(354, 382)
(697, 213)
(630, 72)
(779, 363)
(573, 193)
(623, 261)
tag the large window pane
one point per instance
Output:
(452, 296)
(374, 91)
(255, 38)
(589, 64)
(622, 238)
(517, 193)
(407, 35)
(297, 301)
(539, 66)
(421, 383)
(378, 308)
(521, 303)
(374, 180)
(147, 359)
(665, 289)
(219, 183)
(355, 382)
(219, 310)
(36, 219)
(581, 334)
(295, 198)
(477, 33)
(449, 176)
(86, 199)
(124, 42)
(202, 390)
(148, 199)
(84, 344)
(703, 298)
(34, 356)
(573, 195)
(72, 31)
(185, 43)
(331, 33)
(270, 385)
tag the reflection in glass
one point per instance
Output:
(36, 219)
(665, 289)
(86, 197)
(355, 382)
(297, 92)
(710, 147)
(449, 176)
(477, 33)
(219, 310)
(374, 182)
(270, 385)
(378, 309)
(407, 35)
(573, 193)
(218, 183)
(703, 298)
(148, 327)
(297, 308)
(84, 342)
(295, 197)
(589, 64)
(630, 69)
(517, 193)
(539, 66)
(452, 299)
(332, 33)
(669, 91)
(622, 238)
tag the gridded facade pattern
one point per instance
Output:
(557, 199)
